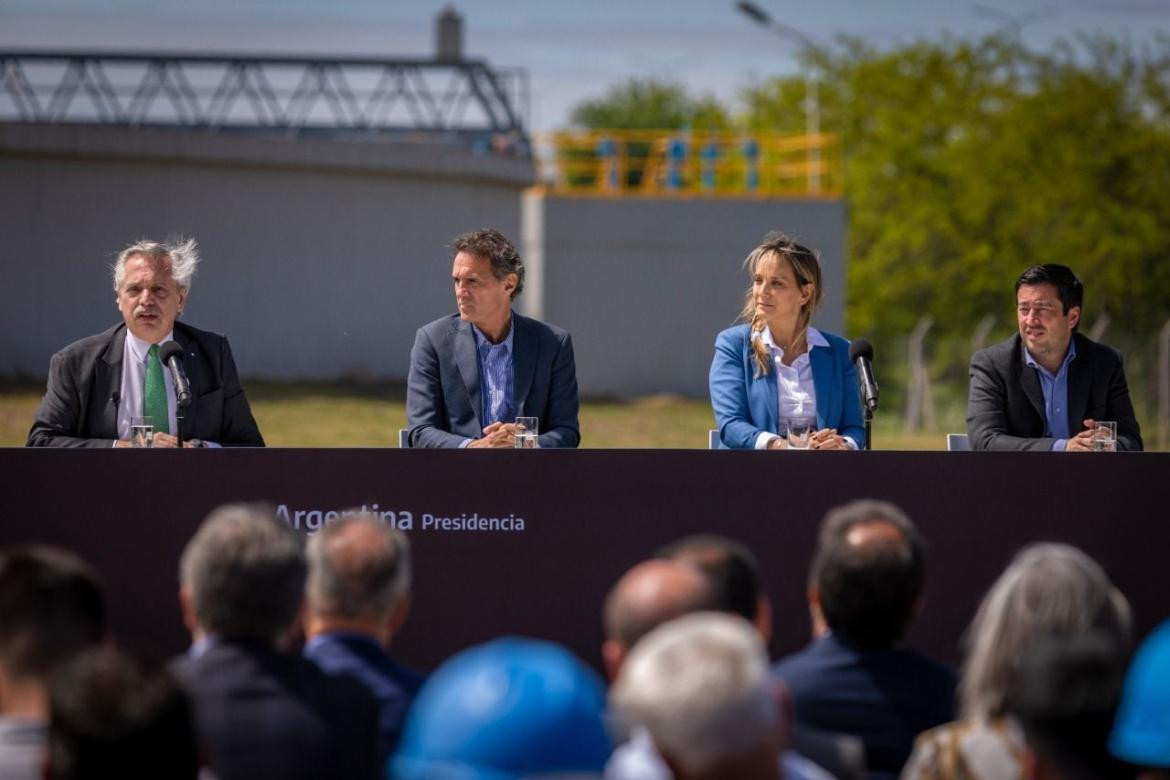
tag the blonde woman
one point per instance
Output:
(776, 366)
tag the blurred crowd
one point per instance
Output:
(290, 672)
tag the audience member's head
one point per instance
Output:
(109, 719)
(700, 686)
(733, 573)
(1047, 591)
(868, 573)
(1064, 700)
(1141, 734)
(511, 708)
(359, 577)
(646, 596)
(51, 608)
(242, 575)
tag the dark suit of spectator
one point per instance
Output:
(887, 697)
(264, 713)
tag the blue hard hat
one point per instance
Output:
(1141, 730)
(506, 709)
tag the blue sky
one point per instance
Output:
(572, 50)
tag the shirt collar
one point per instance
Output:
(1072, 353)
(481, 340)
(139, 348)
(815, 339)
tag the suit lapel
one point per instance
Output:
(523, 361)
(1029, 382)
(191, 368)
(109, 379)
(468, 363)
(764, 397)
(821, 361)
(1080, 375)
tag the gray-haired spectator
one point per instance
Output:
(99, 384)
(358, 599)
(262, 711)
(654, 592)
(700, 687)
(112, 719)
(856, 677)
(1048, 592)
(51, 609)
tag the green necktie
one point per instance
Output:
(154, 392)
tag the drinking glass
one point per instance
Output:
(527, 430)
(141, 432)
(1105, 436)
(799, 431)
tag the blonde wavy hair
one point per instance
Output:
(806, 267)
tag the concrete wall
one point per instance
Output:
(644, 285)
(320, 258)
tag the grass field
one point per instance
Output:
(335, 415)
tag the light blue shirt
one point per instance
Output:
(1055, 389)
(496, 378)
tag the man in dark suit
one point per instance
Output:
(261, 711)
(472, 374)
(98, 384)
(865, 587)
(1045, 388)
(357, 599)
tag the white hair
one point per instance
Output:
(183, 254)
(700, 686)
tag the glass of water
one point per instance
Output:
(527, 429)
(1105, 436)
(141, 432)
(799, 431)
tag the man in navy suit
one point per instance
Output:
(473, 373)
(261, 711)
(856, 678)
(358, 598)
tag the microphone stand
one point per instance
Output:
(181, 407)
(868, 426)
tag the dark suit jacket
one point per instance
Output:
(1005, 408)
(443, 401)
(363, 659)
(885, 697)
(263, 713)
(85, 379)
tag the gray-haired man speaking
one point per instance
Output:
(99, 384)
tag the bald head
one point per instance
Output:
(650, 594)
(868, 572)
(359, 570)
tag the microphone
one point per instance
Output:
(171, 354)
(861, 354)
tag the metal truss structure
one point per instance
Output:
(464, 99)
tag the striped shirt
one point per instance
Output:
(496, 378)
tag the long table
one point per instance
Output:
(529, 542)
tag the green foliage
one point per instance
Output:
(968, 161)
(646, 104)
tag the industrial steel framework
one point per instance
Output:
(464, 98)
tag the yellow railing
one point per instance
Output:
(624, 163)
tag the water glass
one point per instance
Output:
(141, 432)
(527, 430)
(1105, 436)
(800, 431)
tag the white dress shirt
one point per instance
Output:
(794, 383)
(133, 377)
